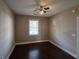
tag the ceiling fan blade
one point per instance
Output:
(46, 8)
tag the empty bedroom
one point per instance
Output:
(39, 29)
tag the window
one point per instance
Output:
(33, 27)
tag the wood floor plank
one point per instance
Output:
(43, 50)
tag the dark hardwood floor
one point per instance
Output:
(44, 50)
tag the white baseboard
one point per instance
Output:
(31, 42)
(72, 54)
(10, 52)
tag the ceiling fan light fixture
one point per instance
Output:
(41, 12)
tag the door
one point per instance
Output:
(78, 35)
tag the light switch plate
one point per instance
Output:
(73, 35)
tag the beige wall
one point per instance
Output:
(6, 30)
(22, 29)
(63, 30)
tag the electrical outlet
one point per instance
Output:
(54, 22)
(73, 35)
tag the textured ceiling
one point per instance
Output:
(27, 7)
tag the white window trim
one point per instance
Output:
(38, 28)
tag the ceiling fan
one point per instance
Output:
(43, 7)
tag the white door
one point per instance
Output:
(78, 36)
